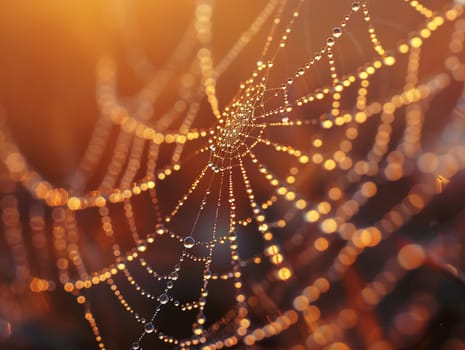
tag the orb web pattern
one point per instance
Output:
(221, 223)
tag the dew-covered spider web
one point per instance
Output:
(274, 187)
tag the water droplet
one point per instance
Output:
(174, 276)
(149, 327)
(189, 242)
(163, 298)
(301, 71)
(135, 345)
(207, 274)
(330, 42)
(356, 6)
(290, 81)
(160, 230)
(201, 318)
(169, 284)
(141, 247)
(337, 32)
(197, 330)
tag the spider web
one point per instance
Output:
(217, 224)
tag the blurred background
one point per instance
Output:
(49, 52)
